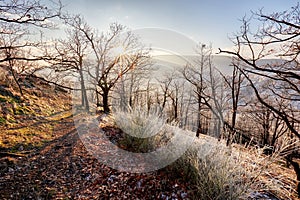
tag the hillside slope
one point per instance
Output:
(42, 156)
(27, 121)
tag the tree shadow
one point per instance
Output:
(46, 120)
(57, 121)
(43, 173)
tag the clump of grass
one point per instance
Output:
(143, 131)
(219, 175)
(216, 171)
(213, 171)
(139, 123)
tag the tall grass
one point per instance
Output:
(216, 171)
(213, 170)
(208, 165)
(144, 132)
(139, 123)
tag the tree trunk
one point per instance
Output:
(176, 111)
(199, 128)
(16, 79)
(106, 108)
(84, 100)
(98, 104)
(232, 127)
(297, 171)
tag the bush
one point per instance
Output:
(139, 123)
(210, 167)
(220, 176)
(213, 171)
(144, 131)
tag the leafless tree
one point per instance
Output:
(278, 37)
(270, 127)
(16, 17)
(116, 53)
(134, 83)
(215, 99)
(32, 12)
(234, 84)
(71, 55)
(194, 74)
(172, 97)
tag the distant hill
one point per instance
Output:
(221, 62)
(169, 62)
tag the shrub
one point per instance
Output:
(139, 123)
(219, 175)
(143, 131)
(213, 171)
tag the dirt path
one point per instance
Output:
(63, 169)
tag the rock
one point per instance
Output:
(21, 148)
(10, 169)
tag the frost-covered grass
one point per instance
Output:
(216, 171)
(138, 123)
(212, 169)
(144, 132)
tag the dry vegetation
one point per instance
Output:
(27, 121)
(39, 144)
(216, 171)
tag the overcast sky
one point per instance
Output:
(209, 21)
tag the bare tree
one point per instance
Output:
(32, 12)
(234, 83)
(278, 36)
(116, 53)
(194, 74)
(70, 55)
(215, 99)
(132, 84)
(172, 95)
(114, 68)
(270, 127)
(281, 30)
(16, 16)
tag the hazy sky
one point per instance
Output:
(203, 20)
